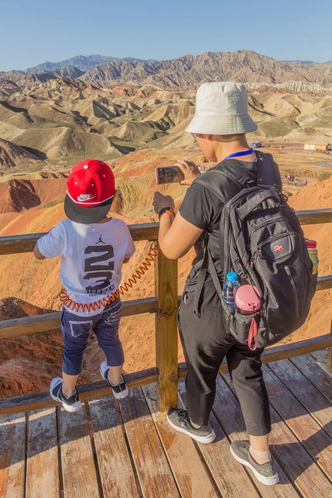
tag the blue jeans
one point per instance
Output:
(76, 330)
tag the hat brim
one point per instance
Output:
(86, 215)
(222, 125)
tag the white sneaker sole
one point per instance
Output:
(69, 408)
(201, 439)
(268, 481)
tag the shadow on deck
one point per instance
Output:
(127, 449)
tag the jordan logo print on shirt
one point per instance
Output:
(100, 241)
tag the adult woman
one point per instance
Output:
(220, 123)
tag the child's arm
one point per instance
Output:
(37, 252)
(51, 244)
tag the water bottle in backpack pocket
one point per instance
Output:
(230, 289)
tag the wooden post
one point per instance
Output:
(166, 290)
(329, 355)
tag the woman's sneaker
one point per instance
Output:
(179, 420)
(265, 473)
(120, 391)
(72, 403)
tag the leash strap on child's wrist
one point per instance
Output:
(166, 210)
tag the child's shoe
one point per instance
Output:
(72, 403)
(120, 391)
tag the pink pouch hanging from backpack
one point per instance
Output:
(248, 302)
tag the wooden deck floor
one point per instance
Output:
(127, 449)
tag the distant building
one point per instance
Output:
(320, 148)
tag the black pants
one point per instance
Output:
(205, 344)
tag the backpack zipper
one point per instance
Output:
(291, 281)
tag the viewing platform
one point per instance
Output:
(126, 448)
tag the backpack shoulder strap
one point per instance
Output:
(221, 183)
(268, 171)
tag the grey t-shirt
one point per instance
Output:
(203, 208)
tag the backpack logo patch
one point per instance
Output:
(278, 248)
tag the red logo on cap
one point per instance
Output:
(278, 248)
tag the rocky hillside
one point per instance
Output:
(64, 120)
(12, 156)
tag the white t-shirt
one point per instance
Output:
(92, 257)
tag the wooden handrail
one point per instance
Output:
(15, 244)
(38, 401)
(282, 352)
(148, 231)
(48, 321)
(314, 217)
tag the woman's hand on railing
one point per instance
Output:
(189, 169)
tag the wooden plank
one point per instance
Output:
(322, 358)
(166, 290)
(12, 455)
(49, 321)
(145, 231)
(222, 466)
(155, 477)
(42, 477)
(39, 401)
(192, 480)
(293, 463)
(112, 451)
(29, 325)
(296, 348)
(281, 352)
(324, 283)
(317, 442)
(305, 392)
(78, 467)
(25, 243)
(314, 216)
(315, 373)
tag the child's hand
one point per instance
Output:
(160, 201)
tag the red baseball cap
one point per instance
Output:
(90, 191)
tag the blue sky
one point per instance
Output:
(35, 31)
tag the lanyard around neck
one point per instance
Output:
(242, 153)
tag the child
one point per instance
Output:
(93, 247)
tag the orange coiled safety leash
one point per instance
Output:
(75, 306)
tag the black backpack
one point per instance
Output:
(262, 241)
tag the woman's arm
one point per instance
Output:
(176, 237)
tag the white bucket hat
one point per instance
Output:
(221, 109)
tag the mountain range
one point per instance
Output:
(82, 62)
(188, 71)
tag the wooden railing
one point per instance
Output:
(164, 305)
